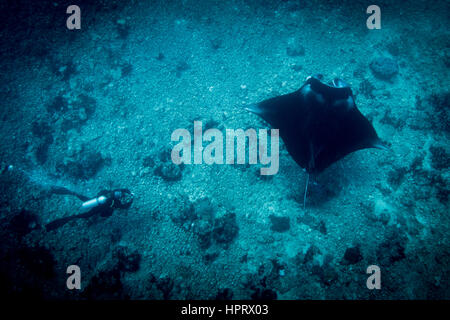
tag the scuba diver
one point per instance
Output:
(102, 205)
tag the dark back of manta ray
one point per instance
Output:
(319, 123)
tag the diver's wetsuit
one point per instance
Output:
(105, 209)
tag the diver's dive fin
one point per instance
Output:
(65, 191)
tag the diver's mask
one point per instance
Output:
(123, 198)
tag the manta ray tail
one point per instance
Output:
(306, 191)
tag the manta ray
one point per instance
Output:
(319, 123)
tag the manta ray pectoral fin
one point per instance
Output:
(254, 108)
(380, 145)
